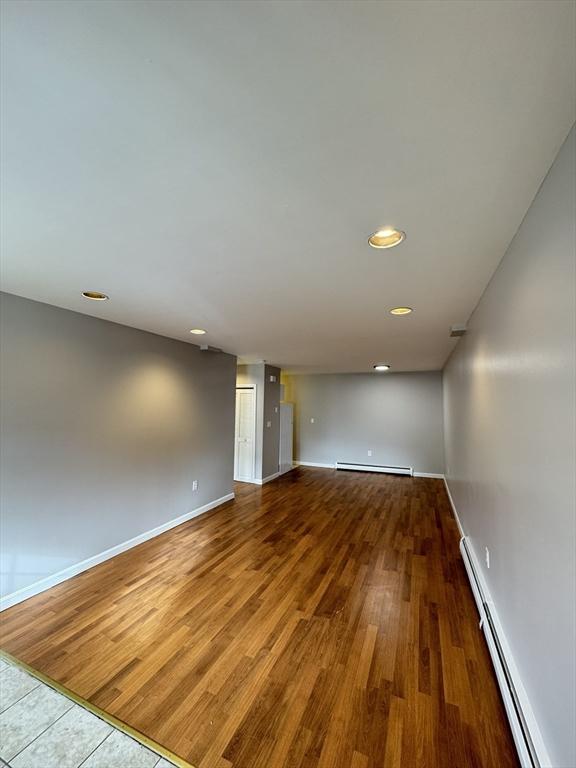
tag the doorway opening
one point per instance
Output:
(245, 435)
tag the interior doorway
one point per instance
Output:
(245, 434)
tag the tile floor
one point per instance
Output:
(41, 728)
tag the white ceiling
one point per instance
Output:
(221, 164)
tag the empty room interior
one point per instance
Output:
(288, 384)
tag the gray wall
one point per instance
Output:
(510, 449)
(104, 428)
(398, 416)
(267, 410)
(271, 440)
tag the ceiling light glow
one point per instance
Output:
(95, 295)
(381, 367)
(386, 238)
(198, 331)
(401, 311)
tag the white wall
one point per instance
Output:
(398, 416)
(510, 423)
(104, 428)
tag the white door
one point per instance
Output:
(286, 436)
(245, 434)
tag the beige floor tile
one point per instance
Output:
(41, 728)
(24, 721)
(14, 684)
(121, 751)
(67, 743)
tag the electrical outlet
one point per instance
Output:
(194, 485)
(272, 378)
(311, 421)
(369, 453)
(268, 424)
(487, 557)
(275, 409)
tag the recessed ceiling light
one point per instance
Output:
(381, 367)
(386, 238)
(95, 295)
(198, 331)
(401, 311)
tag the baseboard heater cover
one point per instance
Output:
(519, 727)
(375, 468)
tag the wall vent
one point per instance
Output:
(519, 727)
(458, 330)
(375, 468)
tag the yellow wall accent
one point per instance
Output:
(288, 382)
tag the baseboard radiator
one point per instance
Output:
(375, 468)
(520, 730)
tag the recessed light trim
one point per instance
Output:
(401, 311)
(386, 238)
(381, 367)
(198, 331)
(95, 296)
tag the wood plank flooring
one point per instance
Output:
(321, 621)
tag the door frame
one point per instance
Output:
(253, 421)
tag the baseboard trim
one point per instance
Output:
(375, 468)
(51, 581)
(514, 675)
(454, 510)
(265, 480)
(333, 466)
(314, 464)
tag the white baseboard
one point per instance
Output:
(372, 468)
(314, 464)
(267, 479)
(51, 581)
(333, 466)
(526, 707)
(454, 510)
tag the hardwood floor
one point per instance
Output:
(321, 621)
